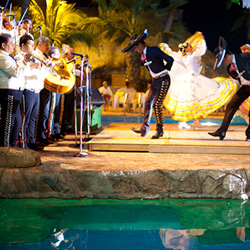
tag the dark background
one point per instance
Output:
(211, 17)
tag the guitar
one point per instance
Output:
(61, 80)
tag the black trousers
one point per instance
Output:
(31, 107)
(155, 98)
(11, 119)
(68, 111)
(45, 102)
(241, 95)
(55, 114)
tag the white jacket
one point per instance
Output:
(11, 74)
(34, 78)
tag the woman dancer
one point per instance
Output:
(191, 95)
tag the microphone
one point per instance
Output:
(38, 27)
(76, 54)
(72, 60)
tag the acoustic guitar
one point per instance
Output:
(61, 80)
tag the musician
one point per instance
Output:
(41, 52)
(34, 76)
(11, 91)
(26, 27)
(152, 58)
(68, 101)
(53, 125)
(4, 29)
(11, 28)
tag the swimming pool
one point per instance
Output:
(124, 225)
(106, 120)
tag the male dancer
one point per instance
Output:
(239, 69)
(153, 58)
(11, 92)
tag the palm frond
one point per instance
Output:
(61, 21)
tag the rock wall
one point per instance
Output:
(55, 181)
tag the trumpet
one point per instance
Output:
(47, 62)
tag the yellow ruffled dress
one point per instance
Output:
(191, 95)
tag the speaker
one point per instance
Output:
(96, 97)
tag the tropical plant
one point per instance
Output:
(242, 21)
(61, 23)
(118, 20)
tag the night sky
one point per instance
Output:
(211, 17)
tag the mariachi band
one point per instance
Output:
(31, 83)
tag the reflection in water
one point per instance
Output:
(182, 239)
(67, 239)
(124, 225)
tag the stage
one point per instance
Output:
(119, 137)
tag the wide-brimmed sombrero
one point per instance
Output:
(220, 52)
(135, 40)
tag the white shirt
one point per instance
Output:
(105, 91)
(34, 78)
(11, 74)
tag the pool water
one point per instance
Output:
(236, 121)
(124, 225)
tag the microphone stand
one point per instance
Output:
(76, 145)
(40, 28)
(88, 89)
(82, 154)
(75, 114)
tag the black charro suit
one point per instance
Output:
(243, 65)
(155, 58)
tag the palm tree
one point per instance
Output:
(120, 19)
(61, 23)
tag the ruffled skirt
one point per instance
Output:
(196, 96)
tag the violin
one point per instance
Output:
(7, 25)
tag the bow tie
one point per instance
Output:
(232, 67)
(143, 57)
